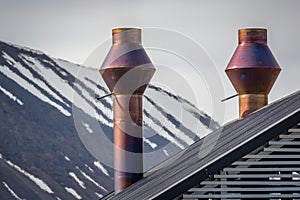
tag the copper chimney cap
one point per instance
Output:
(252, 68)
(125, 54)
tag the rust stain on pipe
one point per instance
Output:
(127, 70)
(252, 70)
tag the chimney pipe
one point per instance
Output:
(252, 70)
(127, 70)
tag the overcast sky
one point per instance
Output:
(73, 29)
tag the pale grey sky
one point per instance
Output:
(73, 29)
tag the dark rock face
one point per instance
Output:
(41, 153)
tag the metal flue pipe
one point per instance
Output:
(252, 70)
(127, 70)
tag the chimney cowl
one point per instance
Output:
(252, 69)
(127, 70)
(125, 54)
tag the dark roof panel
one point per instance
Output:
(216, 151)
(266, 173)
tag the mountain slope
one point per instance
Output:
(56, 138)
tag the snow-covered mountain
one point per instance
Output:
(56, 137)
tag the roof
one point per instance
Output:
(216, 151)
(271, 171)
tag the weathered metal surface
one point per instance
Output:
(125, 54)
(251, 102)
(252, 70)
(127, 70)
(128, 142)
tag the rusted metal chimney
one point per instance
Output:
(127, 70)
(252, 70)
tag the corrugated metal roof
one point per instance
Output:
(270, 171)
(223, 147)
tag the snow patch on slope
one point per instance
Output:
(43, 72)
(89, 168)
(91, 180)
(11, 96)
(11, 191)
(166, 152)
(80, 182)
(34, 179)
(27, 86)
(98, 195)
(87, 127)
(160, 131)
(73, 192)
(9, 59)
(67, 158)
(151, 144)
(101, 167)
